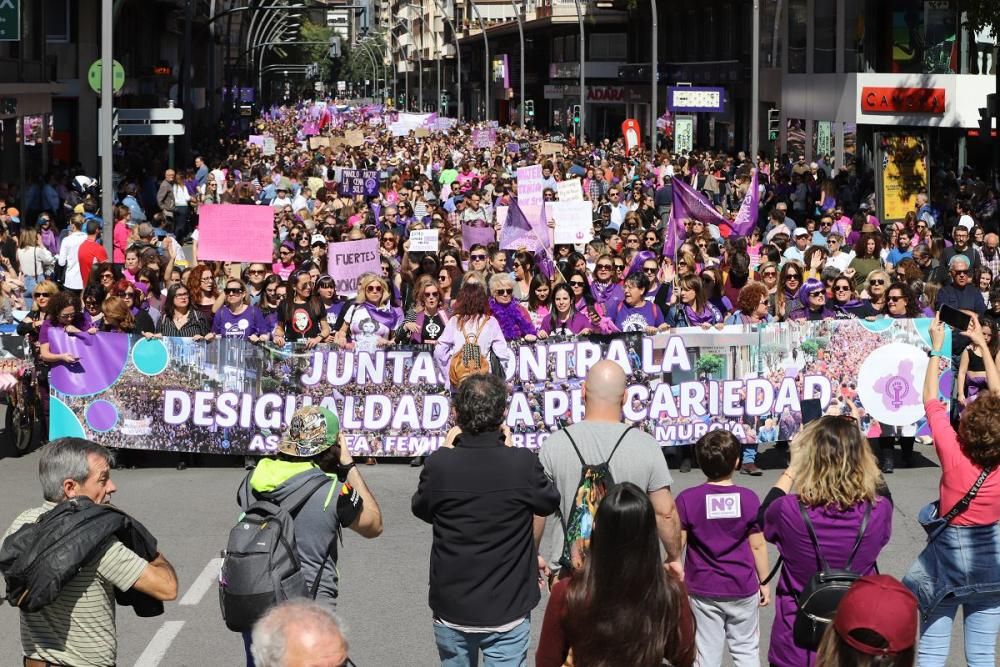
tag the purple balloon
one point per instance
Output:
(101, 360)
(102, 416)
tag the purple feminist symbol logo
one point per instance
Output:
(371, 185)
(897, 387)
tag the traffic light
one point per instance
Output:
(529, 109)
(402, 101)
(986, 115)
(773, 124)
(444, 101)
(576, 114)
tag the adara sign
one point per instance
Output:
(902, 100)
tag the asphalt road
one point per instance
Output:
(383, 582)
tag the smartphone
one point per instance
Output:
(811, 410)
(954, 318)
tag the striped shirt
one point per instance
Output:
(78, 627)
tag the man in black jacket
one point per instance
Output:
(78, 627)
(480, 494)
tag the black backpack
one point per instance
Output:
(817, 603)
(261, 565)
(595, 481)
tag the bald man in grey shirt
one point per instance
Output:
(639, 460)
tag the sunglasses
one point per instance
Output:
(604, 267)
(793, 276)
(39, 295)
(234, 290)
(477, 258)
(876, 281)
(841, 288)
(503, 291)
(577, 283)
(961, 272)
(651, 272)
(895, 298)
(256, 272)
(619, 267)
(632, 241)
(285, 252)
(324, 285)
(770, 274)
(373, 288)
(434, 293)
(815, 294)
(181, 294)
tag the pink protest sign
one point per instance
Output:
(256, 140)
(236, 233)
(473, 235)
(349, 260)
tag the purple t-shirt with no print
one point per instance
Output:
(719, 519)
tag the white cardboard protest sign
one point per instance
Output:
(570, 190)
(574, 221)
(424, 240)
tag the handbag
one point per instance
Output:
(929, 518)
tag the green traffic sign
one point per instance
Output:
(94, 76)
(10, 20)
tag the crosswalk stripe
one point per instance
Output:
(201, 585)
(159, 644)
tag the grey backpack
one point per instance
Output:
(260, 565)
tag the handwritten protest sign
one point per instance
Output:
(551, 148)
(349, 260)
(269, 146)
(574, 221)
(481, 235)
(318, 142)
(513, 148)
(359, 182)
(570, 190)
(484, 138)
(236, 233)
(424, 240)
(354, 138)
(421, 133)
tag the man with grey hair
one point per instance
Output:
(78, 627)
(963, 295)
(299, 632)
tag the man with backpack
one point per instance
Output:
(588, 458)
(294, 507)
(480, 494)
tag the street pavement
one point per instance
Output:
(383, 597)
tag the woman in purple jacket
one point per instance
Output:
(836, 479)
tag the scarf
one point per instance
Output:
(706, 315)
(603, 292)
(383, 315)
(513, 322)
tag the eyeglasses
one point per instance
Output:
(477, 258)
(107, 276)
(206, 278)
(503, 291)
(876, 281)
(894, 298)
(67, 316)
(374, 289)
(632, 241)
(256, 272)
(285, 252)
(234, 290)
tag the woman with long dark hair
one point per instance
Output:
(180, 318)
(623, 607)
(524, 271)
(565, 319)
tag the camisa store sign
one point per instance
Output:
(10, 20)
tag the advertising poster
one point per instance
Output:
(903, 173)
(683, 134)
(228, 396)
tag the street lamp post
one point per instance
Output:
(486, 67)
(520, 33)
(458, 59)
(583, 113)
(656, 79)
(755, 85)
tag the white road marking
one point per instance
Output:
(208, 577)
(159, 644)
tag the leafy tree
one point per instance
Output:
(709, 364)
(982, 15)
(317, 53)
(810, 347)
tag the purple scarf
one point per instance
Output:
(604, 292)
(707, 315)
(385, 316)
(513, 322)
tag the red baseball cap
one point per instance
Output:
(881, 604)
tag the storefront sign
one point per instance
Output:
(692, 99)
(606, 94)
(902, 100)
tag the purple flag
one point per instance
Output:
(746, 218)
(688, 204)
(517, 232)
(473, 235)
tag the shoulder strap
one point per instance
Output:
(861, 534)
(812, 535)
(966, 500)
(620, 438)
(575, 448)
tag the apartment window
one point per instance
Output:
(854, 36)
(559, 50)
(825, 37)
(57, 21)
(607, 46)
(797, 24)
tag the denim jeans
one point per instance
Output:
(982, 621)
(30, 282)
(500, 649)
(749, 454)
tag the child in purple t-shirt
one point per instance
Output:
(726, 556)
